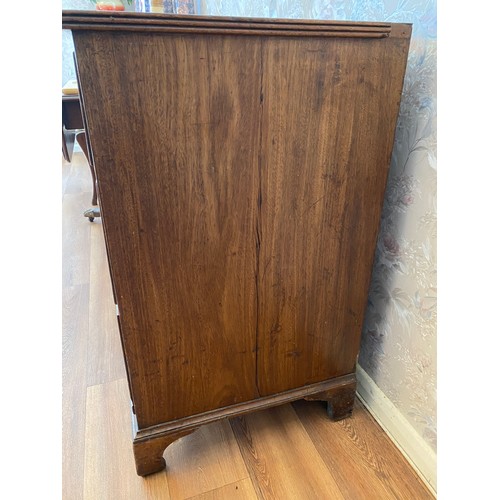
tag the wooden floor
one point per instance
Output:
(288, 452)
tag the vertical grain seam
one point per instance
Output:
(258, 225)
(258, 228)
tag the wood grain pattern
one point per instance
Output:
(150, 442)
(149, 453)
(109, 463)
(241, 181)
(328, 127)
(326, 389)
(280, 456)
(240, 490)
(179, 209)
(206, 460)
(357, 448)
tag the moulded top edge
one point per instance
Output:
(72, 19)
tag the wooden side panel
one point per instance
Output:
(175, 136)
(329, 114)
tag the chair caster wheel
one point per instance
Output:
(92, 213)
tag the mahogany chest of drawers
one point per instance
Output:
(241, 166)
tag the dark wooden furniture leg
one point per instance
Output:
(148, 453)
(68, 140)
(82, 141)
(340, 402)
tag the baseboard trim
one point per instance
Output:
(418, 453)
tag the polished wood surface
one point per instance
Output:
(160, 23)
(327, 390)
(328, 127)
(215, 462)
(241, 170)
(177, 187)
(150, 443)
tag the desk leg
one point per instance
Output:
(68, 140)
(80, 137)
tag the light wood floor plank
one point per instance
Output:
(241, 490)
(77, 185)
(75, 324)
(104, 335)
(109, 463)
(76, 241)
(281, 458)
(76, 176)
(65, 175)
(203, 461)
(356, 448)
(74, 357)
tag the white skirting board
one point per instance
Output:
(418, 453)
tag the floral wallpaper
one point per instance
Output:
(398, 348)
(68, 67)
